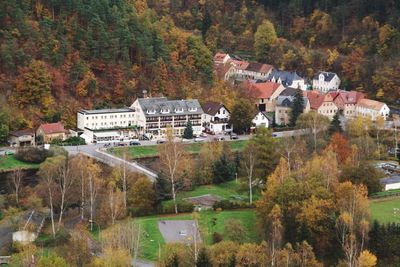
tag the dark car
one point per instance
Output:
(134, 143)
(161, 141)
(122, 144)
(234, 136)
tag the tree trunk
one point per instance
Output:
(52, 212)
(251, 185)
(174, 194)
(124, 181)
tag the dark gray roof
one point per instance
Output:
(328, 76)
(154, 105)
(391, 180)
(287, 77)
(289, 92)
(104, 111)
(287, 101)
(211, 108)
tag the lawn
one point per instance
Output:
(231, 190)
(9, 162)
(153, 239)
(383, 210)
(151, 151)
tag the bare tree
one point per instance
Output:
(396, 120)
(16, 179)
(47, 171)
(115, 202)
(171, 156)
(249, 161)
(314, 122)
(94, 184)
(65, 180)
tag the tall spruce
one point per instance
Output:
(188, 132)
(203, 259)
(298, 107)
(335, 125)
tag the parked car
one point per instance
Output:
(219, 138)
(203, 135)
(199, 139)
(134, 143)
(122, 144)
(274, 135)
(161, 141)
(234, 136)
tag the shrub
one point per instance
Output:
(32, 154)
(61, 238)
(74, 141)
(217, 237)
(183, 206)
(231, 205)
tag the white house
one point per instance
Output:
(261, 120)
(288, 79)
(372, 108)
(391, 183)
(107, 125)
(216, 118)
(325, 81)
(155, 115)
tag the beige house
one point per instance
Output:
(346, 101)
(51, 131)
(372, 109)
(25, 137)
(284, 106)
(322, 103)
(266, 94)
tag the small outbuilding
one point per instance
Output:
(390, 183)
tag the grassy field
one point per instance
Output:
(151, 151)
(153, 239)
(9, 162)
(229, 190)
(383, 210)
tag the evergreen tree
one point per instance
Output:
(203, 259)
(206, 23)
(335, 125)
(224, 169)
(298, 107)
(188, 132)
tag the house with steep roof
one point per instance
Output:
(372, 109)
(221, 58)
(266, 94)
(346, 101)
(155, 115)
(25, 137)
(322, 103)
(325, 81)
(284, 105)
(288, 79)
(49, 132)
(261, 120)
(216, 118)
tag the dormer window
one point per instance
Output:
(321, 77)
(178, 110)
(164, 110)
(151, 111)
(192, 109)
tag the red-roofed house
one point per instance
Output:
(322, 103)
(266, 94)
(372, 108)
(346, 101)
(51, 131)
(221, 58)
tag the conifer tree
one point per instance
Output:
(188, 132)
(298, 107)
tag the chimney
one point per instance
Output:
(145, 94)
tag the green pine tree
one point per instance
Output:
(298, 107)
(224, 169)
(188, 133)
(335, 125)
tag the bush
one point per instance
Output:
(217, 237)
(231, 205)
(74, 141)
(183, 206)
(61, 238)
(32, 154)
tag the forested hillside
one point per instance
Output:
(57, 56)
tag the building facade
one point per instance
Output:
(322, 103)
(107, 125)
(261, 120)
(25, 137)
(325, 81)
(216, 118)
(266, 94)
(372, 109)
(49, 132)
(156, 115)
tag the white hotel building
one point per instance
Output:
(107, 125)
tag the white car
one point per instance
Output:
(199, 139)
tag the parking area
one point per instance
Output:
(180, 231)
